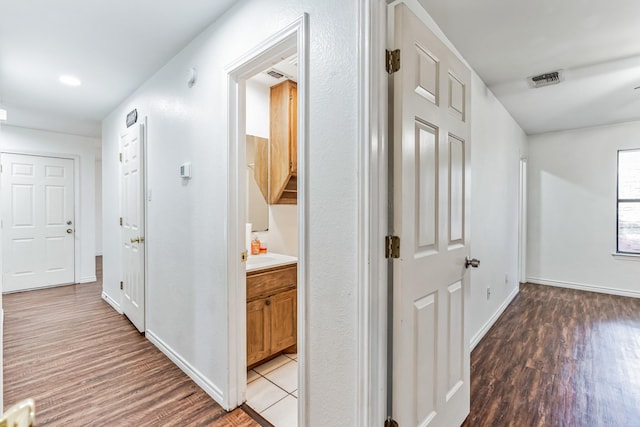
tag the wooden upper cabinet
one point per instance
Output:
(283, 140)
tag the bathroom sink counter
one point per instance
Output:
(268, 260)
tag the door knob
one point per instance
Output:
(69, 231)
(468, 262)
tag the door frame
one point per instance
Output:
(522, 222)
(76, 199)
(293, 38)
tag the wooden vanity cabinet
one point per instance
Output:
(271, 312)
(283, 142)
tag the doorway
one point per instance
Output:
(38, 211)
(268, 293)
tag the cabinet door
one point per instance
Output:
(258, 330)
(293, 128)
(284, 320)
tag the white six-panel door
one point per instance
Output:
(431, 217)
(132, 197)
(37, 221)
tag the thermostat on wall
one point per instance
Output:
(185, 170)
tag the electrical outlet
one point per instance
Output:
(489, 293)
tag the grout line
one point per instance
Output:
(273, 404)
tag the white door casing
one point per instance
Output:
(38, 221)
(431, 96)
(133, 230)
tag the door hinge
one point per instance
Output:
(120, 156)
(392, 247)
(393, 61)
(121, 221)
(390, 422)
(121, 285)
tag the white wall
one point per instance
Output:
(187, 251)
(282, 236)
(572, 209)
(497, 144)
(30, 141)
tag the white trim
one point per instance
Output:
(87, 279)
(583, 287)
(99, 253)
(293, 38)
(193, 373)
(371, 362)
(625, 257)
(485, 328)
(522, 222)
(113, 303)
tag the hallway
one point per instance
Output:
(84, 364)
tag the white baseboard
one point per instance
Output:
(583, 287)
(204, 383)
(112, 302)
(483, 331)
(88, 279)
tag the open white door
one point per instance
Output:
(132, 193)
(431, 217)
(37, 221)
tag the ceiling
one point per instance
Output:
(596, 43)
(113, 46)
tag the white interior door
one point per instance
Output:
(431, 217)
(37, 221)
(132, 194)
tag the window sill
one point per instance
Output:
(626, 257)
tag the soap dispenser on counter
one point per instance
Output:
(255, 245)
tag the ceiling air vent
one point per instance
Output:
(546, 79)
(275, 74)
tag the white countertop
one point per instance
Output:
(268, 260)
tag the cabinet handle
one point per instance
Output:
(267, 302)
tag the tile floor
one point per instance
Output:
(272, 390)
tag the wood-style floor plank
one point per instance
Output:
(86, 365)
(559, 357)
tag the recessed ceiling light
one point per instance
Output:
(70, 80)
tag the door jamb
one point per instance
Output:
(294, 37)
(373, 214)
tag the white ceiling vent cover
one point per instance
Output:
(275, 73)
(546, 79)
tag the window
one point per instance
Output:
(629, 201)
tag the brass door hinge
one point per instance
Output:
(120, 221)
(392, 247)
(390, 422)
(121, 285)
(393, 61)
(120, 156)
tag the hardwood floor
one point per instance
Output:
(559, 357)
(85, 365)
